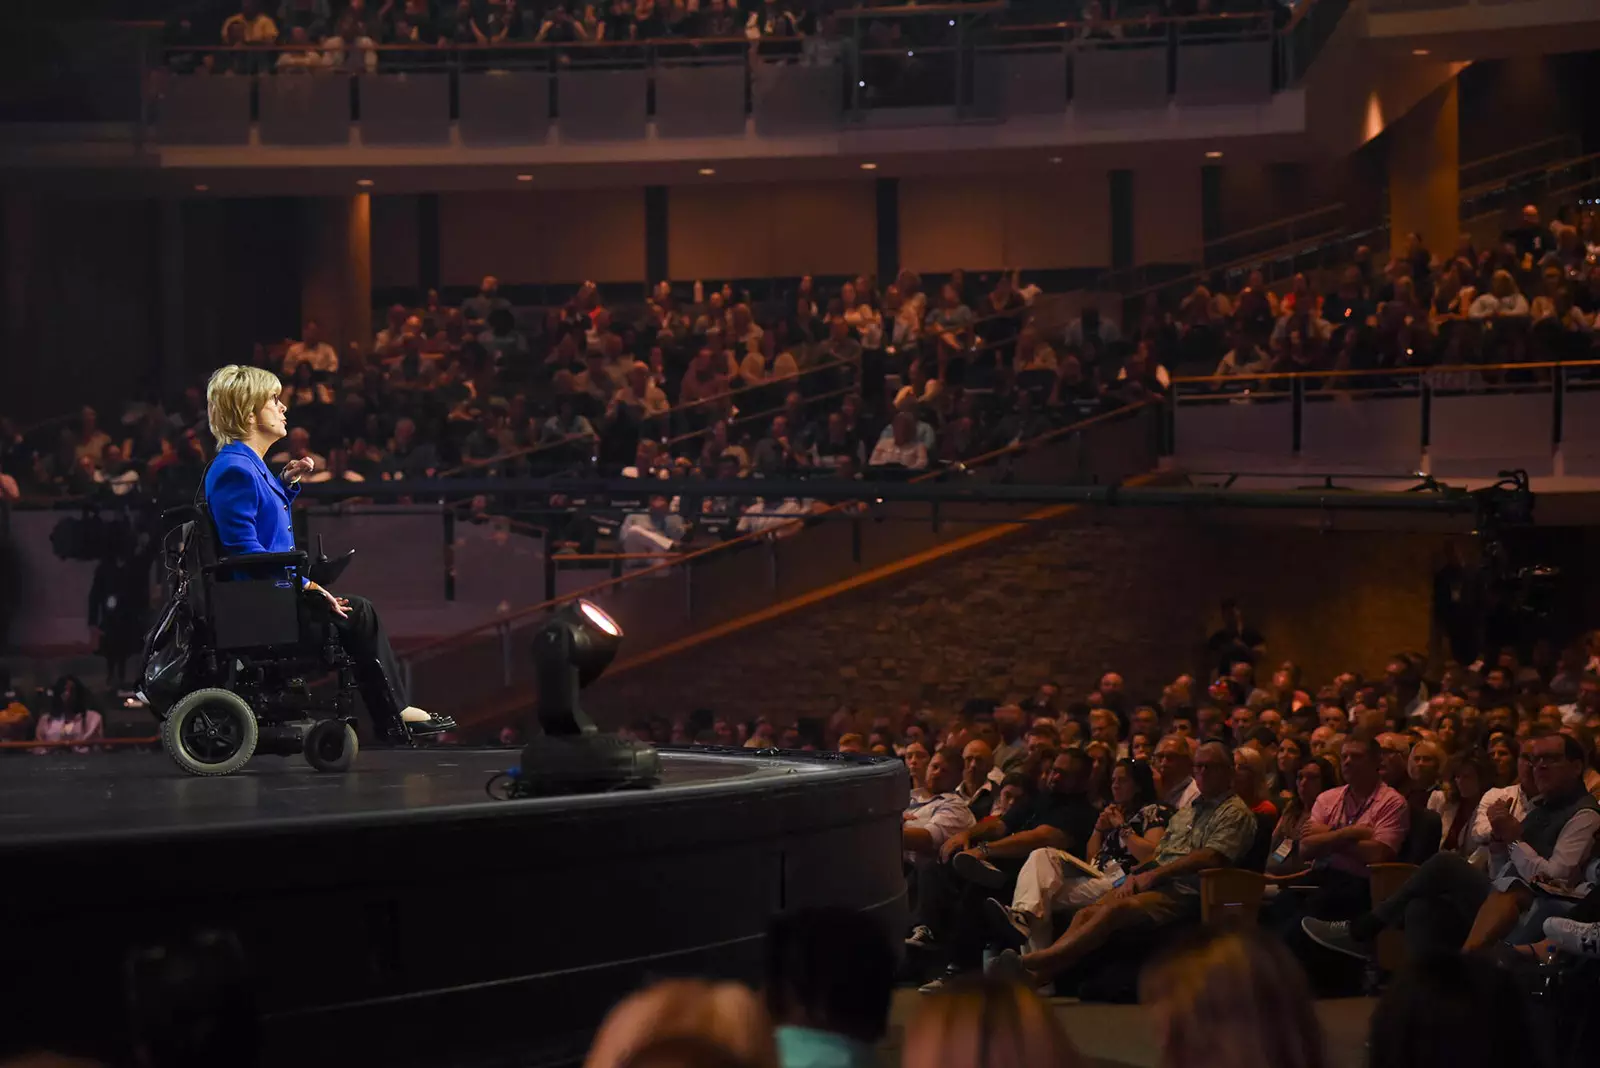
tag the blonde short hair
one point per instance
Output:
(233, 397)
(1232, 1000)
(724, 1014)
(986, 1024)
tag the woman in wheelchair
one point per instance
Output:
(250, 509)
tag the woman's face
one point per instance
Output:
(917, 762)
(1505, 762)
(1289, 756)
(1467, 782)
(1123, 787)
(1447, 732)
(273, 418)
(1309, 784)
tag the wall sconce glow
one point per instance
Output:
(364, 183)
(1420, 52)
(863, 85)
(952, 22)
(202, 189)
(1213, 154)
(706, 172)
(524, 177)
(1055, 159)
(869, 166)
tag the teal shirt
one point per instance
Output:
(804, 1047)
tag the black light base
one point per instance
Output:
(585, 763)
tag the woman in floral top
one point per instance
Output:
(1125, 837)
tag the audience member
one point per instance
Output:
(986, 1024)
(1232, 1000)
(829, 976)
(726, 1015)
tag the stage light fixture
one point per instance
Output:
(1213, 154)
(364, 183)
(566, 752)
(1055, 159)
(869, 166)
(1419, 52)
(524, 177)
(706, 172)
(202, 188)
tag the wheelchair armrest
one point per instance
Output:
(255, 561)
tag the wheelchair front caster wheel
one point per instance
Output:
(331, 745)
(210, 732)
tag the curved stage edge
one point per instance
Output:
(397, 915)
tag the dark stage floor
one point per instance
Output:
(60, 797)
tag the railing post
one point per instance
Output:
(449, 555)
(1297, 401)
(1558, 400)
(505, 654)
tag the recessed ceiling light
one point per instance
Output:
(524, 177)
(707, 171)
(1055, 159)
(869, 166)
(202, 189)
(364, 182)
(1213, 154)
(1419, 52)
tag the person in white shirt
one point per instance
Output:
(771, 516)
(313, 350)
(902, 448)
(928, 824)
(1501, 301)
(1174, 767)
(659, 530)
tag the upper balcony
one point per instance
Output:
(880, 81)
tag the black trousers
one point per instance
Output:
(378, 673)
(1435, 907)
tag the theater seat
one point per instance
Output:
(1387, 879)
(1230, 897)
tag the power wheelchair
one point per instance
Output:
(230, 666)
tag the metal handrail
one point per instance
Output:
(1391, 372)
(504, 623)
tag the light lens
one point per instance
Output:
(598, 617)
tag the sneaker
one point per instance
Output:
(943, 982)
(1573, 936)
(1007, 967)
(1008, 924)
(975, 869)
(1335, 935)
(921, 937)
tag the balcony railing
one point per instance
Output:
(1466, 421)
(481, 669)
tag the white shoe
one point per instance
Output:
(419, 722)
(1572, 936)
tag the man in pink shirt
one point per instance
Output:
(1361, 823)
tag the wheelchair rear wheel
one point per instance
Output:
(331, 745)
(211, 732)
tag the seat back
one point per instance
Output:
(241, 612)
(1230, 897)
(1387, 879)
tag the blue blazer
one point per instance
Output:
(249, 504)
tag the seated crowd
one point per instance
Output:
(310, 35)
(844, 383)
(1067, 832)
(1533, 297)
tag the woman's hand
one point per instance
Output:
(295, 470)
(339, 606)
